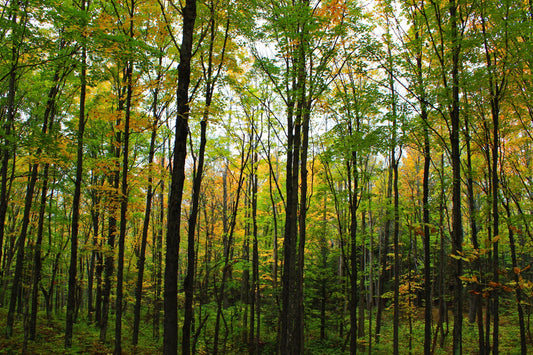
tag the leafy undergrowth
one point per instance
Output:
(508, 339)
(50, 339)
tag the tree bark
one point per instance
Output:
(457, 225)
(146, 221)
(170, 341)
(72, 284)
(37, 260)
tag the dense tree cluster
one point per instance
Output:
(304, 176)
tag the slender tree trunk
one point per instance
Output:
(227, 246)
(384, 250)
(146, 221)
(394, 161)
(8, 140)
(114, 181)
(72, 284)
(518, 290)
(457, 224)
(191, 259)
(476, 311)
(211, 77)
(295, 216)
(17, 279)
(158, 255)
(95, 265)
(371, 272)
(8, 125)
(353, 187)
(254, 304)
(37, 262)
(170, 338)
(425, 198)
(124, 197)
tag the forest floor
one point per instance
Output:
(50, 339)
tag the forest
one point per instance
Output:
(266, 176)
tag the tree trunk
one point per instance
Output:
(37, 262)
(114, 181)
(17, 278)
(158, 255)
(72, 284)
(353, 187)
(457, 224)
(8, 140)
(210, 76)
(426, 193)
(146, 222)
(229, 242)
(123, 198)
(170, 341)
(516, 276)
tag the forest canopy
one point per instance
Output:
(276, 177)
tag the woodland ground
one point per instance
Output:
(50, 339)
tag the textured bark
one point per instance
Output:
(37, 262)
(170, 341)
(383, 256)
(296, 203)
(516, 277)
(123, 200)
(210, 76)
(146, 221)
(255, 330)
(28, 200)
(421, 92)
(8, 139)
(476, 310)
(353, 200)
(158, 256)
(109, 263)
(72, 284)
(16, 292)
(457, 225)
(229, 242)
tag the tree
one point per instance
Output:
(170, 341)
(72, 282)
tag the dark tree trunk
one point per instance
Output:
(476, 310)
(229, 242)
(94, 260)
(457, 224)
(295, 208)
(394, 162)
(158, 256)
(210, 76)
(425, 195)
(396, 315)
(8, 140)
(146, 221)
(123, 198)
(191, 260)
(37, 262)
(170, 341)
(253, 340)
(383, 255)
(17, 278)
(72, 284)
(518, 290)
(109, 263)
(353, 187)
(5, 161)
